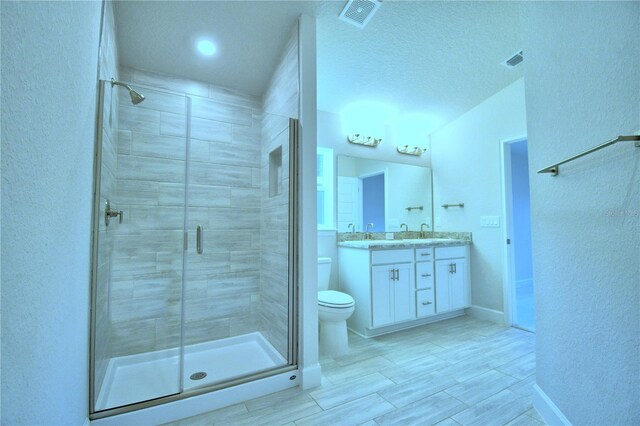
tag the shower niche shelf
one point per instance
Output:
(275, 172)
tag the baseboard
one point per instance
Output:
(549, 411)
(486, 314)
(311, 376)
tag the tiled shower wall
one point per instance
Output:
(108, 62)
(222, 284)
(280, 102)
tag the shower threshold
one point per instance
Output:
(141, 377)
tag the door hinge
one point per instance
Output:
(508, 240)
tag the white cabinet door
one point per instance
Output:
(404, 305)
(382, 295)
(451, 285)
(443, 293)
(392, 294)
(457, 284)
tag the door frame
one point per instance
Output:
(508, 267)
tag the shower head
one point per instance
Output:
(136, 97)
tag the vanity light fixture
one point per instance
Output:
(364, 140)
(417, 151)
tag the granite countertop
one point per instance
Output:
(408, 243)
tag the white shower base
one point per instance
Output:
(141, 377)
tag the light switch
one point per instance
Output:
(489, 221)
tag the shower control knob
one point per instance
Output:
(109, 213)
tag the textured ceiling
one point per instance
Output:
(436, 59)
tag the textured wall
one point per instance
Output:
(107, 69)
(49, 57)
(280, 102)
(221, 285)
(583, 82)
(466, 168)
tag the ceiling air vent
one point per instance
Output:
(514, 60)
(359, 12)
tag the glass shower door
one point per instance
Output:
(192, 280)
(238, 305)
(139, 219)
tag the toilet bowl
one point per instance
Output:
(334, 308)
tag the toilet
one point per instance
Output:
(334, 308)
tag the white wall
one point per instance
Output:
(49, 69)
(332, 135)
(583, 85)
(466, 168)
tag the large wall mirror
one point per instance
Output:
(384, 193)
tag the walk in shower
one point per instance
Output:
(193, 280)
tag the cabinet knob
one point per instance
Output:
(425, 254)
(426, 275)
(427, 303)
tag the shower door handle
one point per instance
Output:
(199, 239)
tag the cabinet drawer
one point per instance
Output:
(391, 256)
(424, 254)
(450, 252)
(425, 303)
(424, 275)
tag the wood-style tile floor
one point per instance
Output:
(460, 371)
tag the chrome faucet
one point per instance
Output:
(367, 234)
(353, 228)
(423, 234)
(406, 227)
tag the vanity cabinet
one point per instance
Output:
(396, 288)
(452, 277)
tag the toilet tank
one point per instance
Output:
(324, 273)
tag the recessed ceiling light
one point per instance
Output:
(207, 48)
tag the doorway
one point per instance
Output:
(516, 201)
(373, 205)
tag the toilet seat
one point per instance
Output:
(335, 299)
